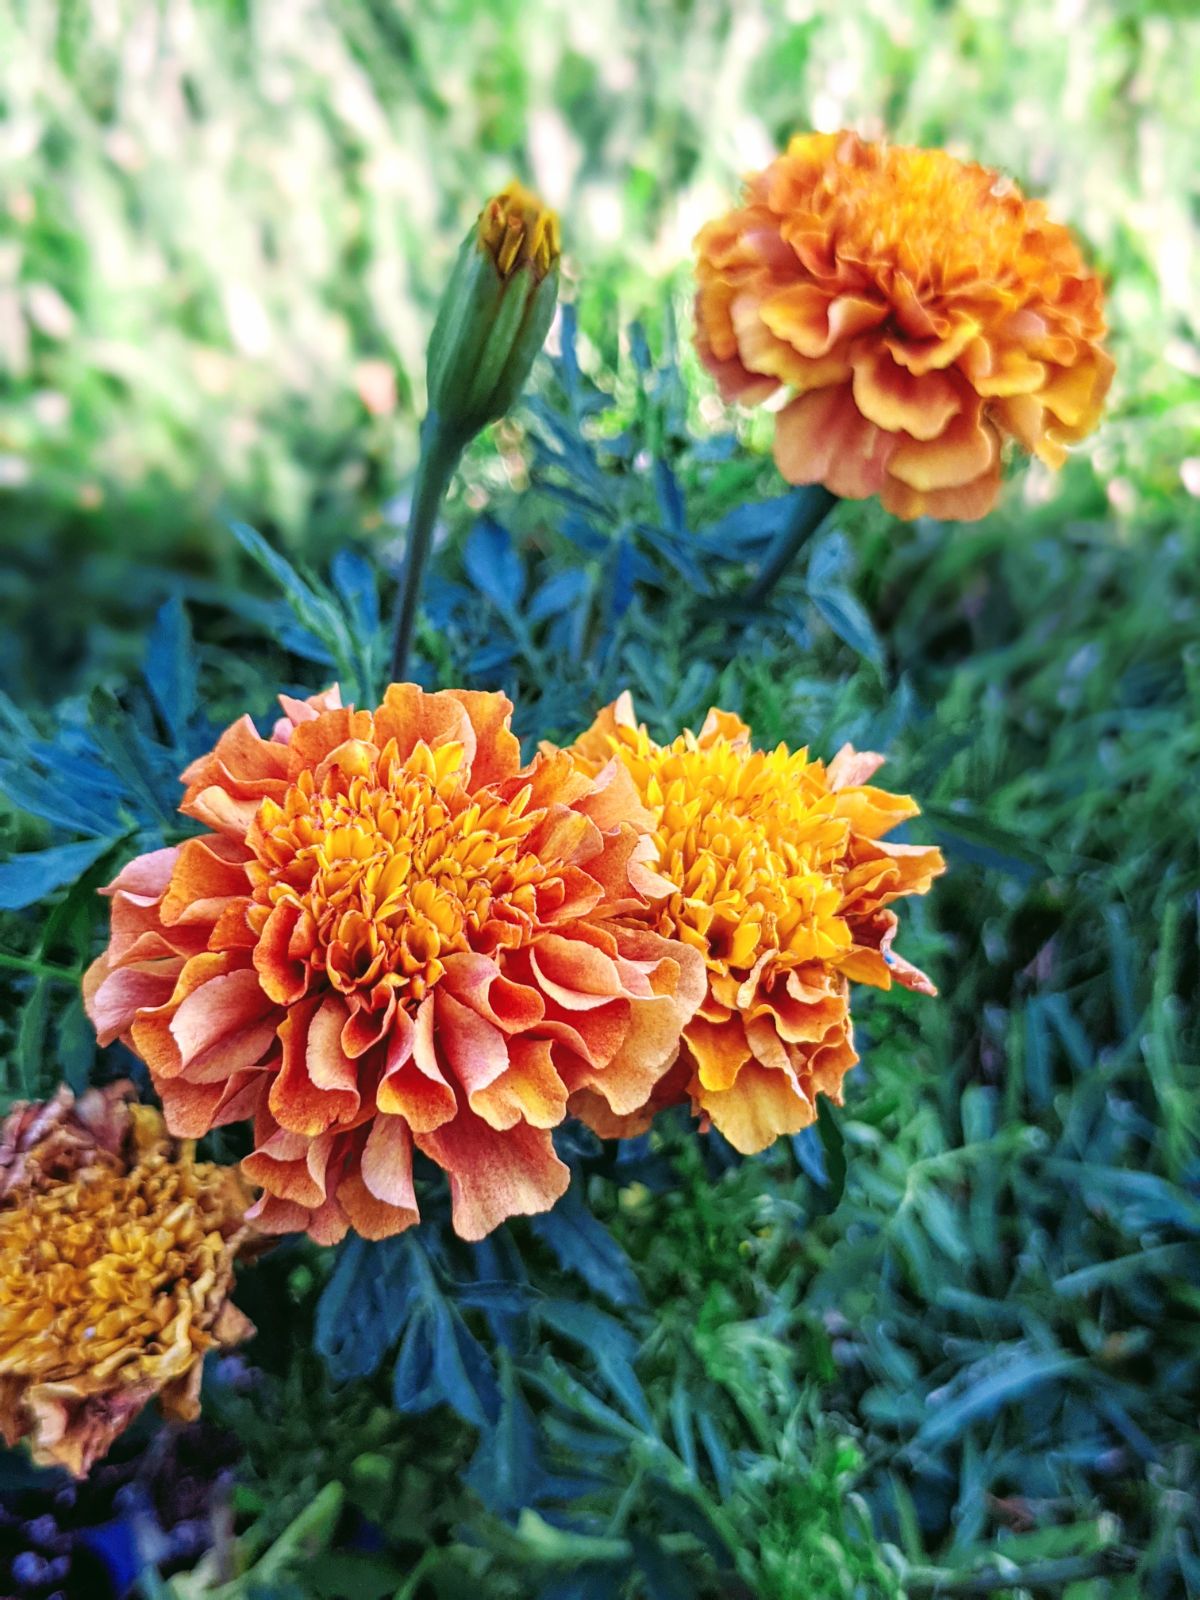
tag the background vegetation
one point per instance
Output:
(968, 1364)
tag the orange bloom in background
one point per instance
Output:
(393, 934)
(782, 882)
(116, 1262)
(918, 310)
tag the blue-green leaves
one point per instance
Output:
(337, 625)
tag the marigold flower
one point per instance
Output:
(116, 1262)
(783, 883)
(394, 934)
(920, 311)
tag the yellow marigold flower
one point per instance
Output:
(783, 883)
(116, 1263)
(919, 311)
(392, 934)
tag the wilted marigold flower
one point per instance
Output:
(919, 310)
(782, 881)
(116, 1263)
(394, 934)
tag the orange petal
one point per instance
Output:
(898, 401)
(113, 999)
(823, 437)
(412, 1084)
(966, 504)
(761, 351)
(528, 1090)
(851, 767)
(1003, 371)
(575, 975)
(386, 1164)
(329, 1066)
(475, 1051)
(1022, 416)
(1076, 394)
(497, 750)
(222, 1025)
(281, 952)
(298, 1102)
(805, 316)
(494, 1175)
(478, 982)
(967, 450)
(872, 812)
(207, 873)
(146, 877)
(720, 1050)
(934, 355)
(764, 1104)
(369, 1216)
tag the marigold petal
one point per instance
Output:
(528, 1090)
(413, 1085)
(574, 974)
(811, 320)
(967, 503)
(822, 437)
(720, 1050)
(476, 1052)
(763, 1105)
(966, 450)
(495, 1175)
(281, 951)
(206, 874)
(386, 1164)
(898, 401)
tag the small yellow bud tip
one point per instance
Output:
(515, 228)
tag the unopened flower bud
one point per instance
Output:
(495, 313)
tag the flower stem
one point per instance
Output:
(40, 969)
(1053, 1573)
(440, 453)
(808, 510)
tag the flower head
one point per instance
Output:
(116, 1262)
(782, 882)
(919, 311)
(392, 934)
(494, 314)
(514, 228)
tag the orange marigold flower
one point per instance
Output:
(782, 881)
(920, 311)
(394, 934)
(116, 1262)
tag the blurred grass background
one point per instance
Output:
(223, 227)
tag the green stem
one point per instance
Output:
(41, 969)
(808, 510)
(1054, 1573)
(439, 457)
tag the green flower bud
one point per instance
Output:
(495, 313)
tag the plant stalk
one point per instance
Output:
(440, 454)
(809, 508)
(1054, 1573)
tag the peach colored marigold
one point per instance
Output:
(918, 310)
(116, 1263)
(783, 883)
(394, 934)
